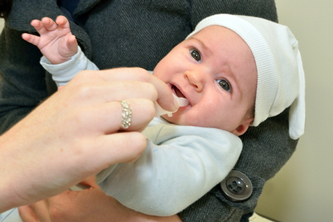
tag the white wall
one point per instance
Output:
(302, 191)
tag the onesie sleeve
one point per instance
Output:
(62, 73)
(179, 165)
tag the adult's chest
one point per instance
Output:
(135, 33)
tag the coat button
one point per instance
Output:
(236, 186)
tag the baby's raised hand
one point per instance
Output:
(56, 42)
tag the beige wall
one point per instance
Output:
(1, 24)
(302, 191)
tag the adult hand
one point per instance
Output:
(77, 133)
(84, 206)
(87, 205)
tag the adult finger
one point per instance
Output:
(87, 205)
(164, 94)
(107, 117)
(90, 182)
(115, 148)
(165, 98)
(41, 210)
(90, 156)
(98, 91)
(27, 214)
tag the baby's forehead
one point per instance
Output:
(220, 32)
(237, 56)
(225, 36)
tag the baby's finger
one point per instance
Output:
(62, 22)
(72, 43)
(39, 26)
(33, 39)
(49, 24)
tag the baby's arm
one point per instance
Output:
(63, 57)
(62, 73)
(56, 41)
(168, 177)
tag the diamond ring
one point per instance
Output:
(127, 114)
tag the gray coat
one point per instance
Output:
(115, 33)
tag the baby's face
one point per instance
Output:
(216, 72)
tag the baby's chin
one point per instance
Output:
(176, 118)
(170, 119)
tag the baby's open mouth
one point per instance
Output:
(177, 92)
(179, 96)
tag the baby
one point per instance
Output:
(233, 71)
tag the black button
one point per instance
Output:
(237, 186)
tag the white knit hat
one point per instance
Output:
(280, 71)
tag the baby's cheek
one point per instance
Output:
(180, 117)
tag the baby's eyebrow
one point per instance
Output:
(202, 44)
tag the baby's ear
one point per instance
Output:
(241, 129)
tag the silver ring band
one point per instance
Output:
(127, 114)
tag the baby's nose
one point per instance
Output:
(196, 79)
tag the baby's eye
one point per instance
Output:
(196, 55)
(224, 84)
